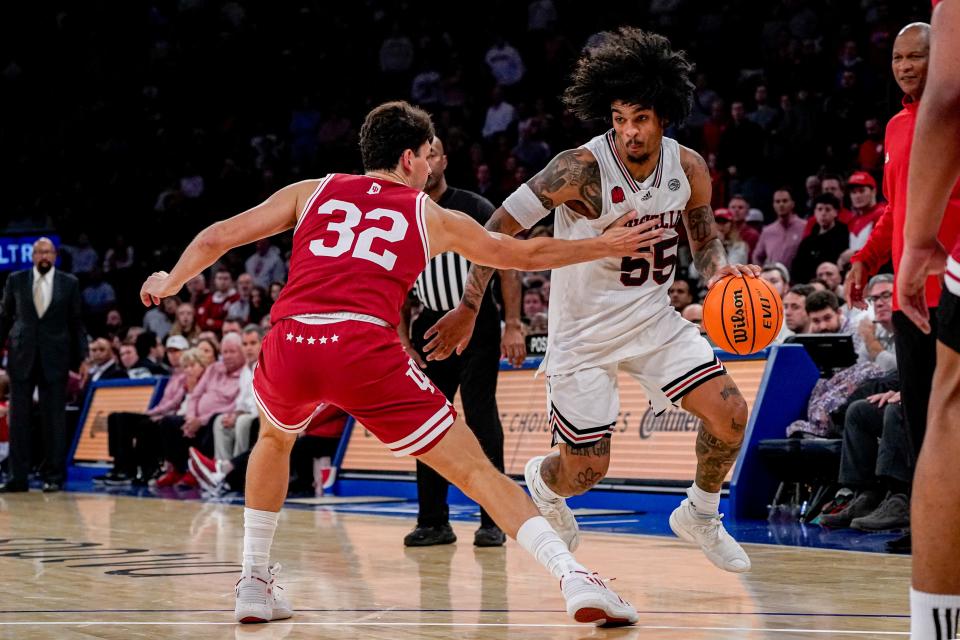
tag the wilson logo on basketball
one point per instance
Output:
(617, 195)
(738, 319)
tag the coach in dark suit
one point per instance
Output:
(41, 314)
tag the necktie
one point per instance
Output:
(38, 299)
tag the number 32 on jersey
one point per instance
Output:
(361, 244)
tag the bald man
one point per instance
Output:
(41, 314)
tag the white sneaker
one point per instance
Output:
(261, 600)
(557, 513)
(590, 601)
(718, 545)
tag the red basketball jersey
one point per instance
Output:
(358, 247)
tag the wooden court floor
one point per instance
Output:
(76, 566)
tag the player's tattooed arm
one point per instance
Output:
(708, 252)
(478, 277)
(572, 177)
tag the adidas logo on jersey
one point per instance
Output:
(646, 196)
(374, 189)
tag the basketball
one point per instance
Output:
(742, 315)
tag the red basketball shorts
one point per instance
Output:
(357, 366)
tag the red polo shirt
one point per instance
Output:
(886, 241)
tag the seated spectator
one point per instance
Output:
(739, 209)
(231, 324)
(150, 355)
(828, 240)
(534, 302)
(875, 466)
(213, 310)
(128, 356)
(823, 309)
(98, 296)
(681, 294)
(266, 265)
(209, 348)
(161, 318)
(83, 256)
(260, 304)
(866, 210)
(829, 274)
(795, 308)
(197, 288)
(538, 325)
(216, 393)
(813, 188)
(231, 430)
(876, 333)
(500, 114)
(275, 289)
(694, 313)
(185, 323)
(241, 308)
(778, 276)
(133, 437)
(780, 240)
(101, 364)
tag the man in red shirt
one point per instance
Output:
(212, 311)
(933, 203)
(866, 210)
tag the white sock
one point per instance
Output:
(934, 616)
(258, 528)
(542, 542)
(541, 488)
(704, 503)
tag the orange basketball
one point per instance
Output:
(742, 315)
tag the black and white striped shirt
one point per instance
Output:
(440, 286)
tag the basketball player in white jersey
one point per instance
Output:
(611, 314)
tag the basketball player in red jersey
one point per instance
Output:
(359, 243)
(934, 169)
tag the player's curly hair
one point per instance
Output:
(389, 130)
(636, 67)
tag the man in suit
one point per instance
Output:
(41, 314)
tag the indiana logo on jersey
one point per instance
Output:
(374, 189)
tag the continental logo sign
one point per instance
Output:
(645, 446)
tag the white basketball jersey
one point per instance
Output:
(600, 310)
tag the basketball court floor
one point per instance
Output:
(81, 565)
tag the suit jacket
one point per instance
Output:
(58, 337)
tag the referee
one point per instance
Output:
(439, 289)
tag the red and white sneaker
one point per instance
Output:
(169, 478)
(207, 471)
(187, 481)
(590, 601)
(261, 599)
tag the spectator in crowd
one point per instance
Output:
(876, 466)
(216, 393)
(500, 114)
(98, 295)
(865, 208)
(505, 63)
(741, 146)
(114, 328)
(232, 324)
(823, 309)
(119, 256)
(681, 294)
(876, 332)
(780, 240)
(209, 348)
(829, 239)
(231, 430)
(212, 311)
(813, 187)
(870, 153)
(763, 114)
(275, 289)
(795, 308)
(185, 323)
(241, 308)
(739, 208)
(102, 364)
(41, 309)
(778, 276)
(266, 265)
(129, 359)
(83, 256)
(259, 304)
(834, 186)
(538, 324)
(197, 289)
(149, 357)
(829, 274)
(161, 318)
(133, 437)
(485, 185)
(738, 251)
(534, 302)
(694, 313)
(396, 52)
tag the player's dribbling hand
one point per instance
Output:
(158, 286)
(635, 241)
(451, 332)
(915, 265)
(738, 270)
(854, 284)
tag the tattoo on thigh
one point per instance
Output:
(730, 390)
(736, 426)
(600, 449)
(714, 459)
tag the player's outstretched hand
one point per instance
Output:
(157, 287)
(634, 240)
(452, 331)
(854, 285)
(915, 265)
(739, 270)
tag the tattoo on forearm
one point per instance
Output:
(601, 449)
(730, 390)
(714, 459)
(478, 277)
(700, 223)
(709, 257)
(575, 168)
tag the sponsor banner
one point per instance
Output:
(16, 252)
(92, 442)
(646, 447)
